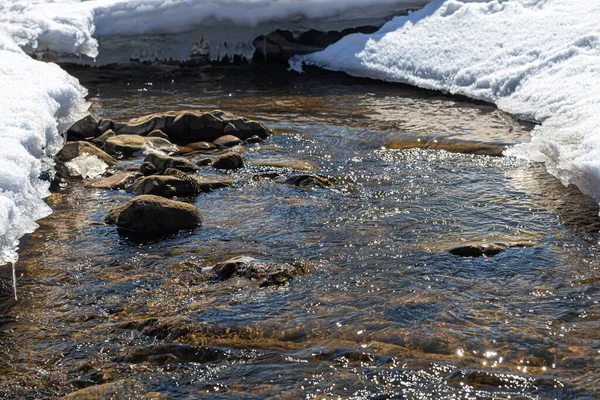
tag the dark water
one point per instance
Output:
(386, 312)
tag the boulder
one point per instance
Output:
(227, 141)
(100, 140)
(229, 160)
(165, 186)
(72, 150)
(162, 162)
(148, 214)
(126, 145)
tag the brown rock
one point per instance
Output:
(162, 162)
(149, 214)
(125, 389)
(89, 127)
(73, 150)
(118, 181)
(265, 273)
(307, 181)
(229, 160)
(126, 145)
(100, 140)
(147, 168)
(158, 133)
(227, 141)
(201, 146)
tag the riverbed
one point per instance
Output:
(386, 310)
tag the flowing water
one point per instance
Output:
(386, 312)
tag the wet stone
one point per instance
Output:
(255, 139)
(227, 141)
(159, 134)
(147, 168)
(473, 250)
(165, 186)
(163, 162)
(100, 140)
(229, 160)
(476, 379)
(172, 354)
(308, 181)
(154, 215)
(201, 146)
(118, 181)
(72, 150)
(265, 273)
(114, 390)
(127, 145)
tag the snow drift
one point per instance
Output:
(537, 59)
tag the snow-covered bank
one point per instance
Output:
(37, 102)
(537, 59)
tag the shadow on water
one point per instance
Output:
(385, 311)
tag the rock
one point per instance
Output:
(126, 145)
(165, 186)
(227, 141)
(118, 181)
(204, 162)
(229, 160)
(255, 139)
(149, 214)
(162, 162)
(202, 146)
(285, 163)
(266, 274)
(173, 353)
(201, 183)
(239, 148)
(72, 150)
(478, 250)
(194, 125)
(159, 134)
(308, 181)
(89, 127)
(476, 379)
(100, 140)
(147, 168)
(124, 389)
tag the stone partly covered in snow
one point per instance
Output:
(265, 273)
(72, 150)
(118, 181)
(127, 145)
(162, 162)
(154, 215)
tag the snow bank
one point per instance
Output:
(165, 29)
(537, 59)
(37, 102)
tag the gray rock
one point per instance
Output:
(227, 141)
(153, 215)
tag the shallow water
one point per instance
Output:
(385, 312)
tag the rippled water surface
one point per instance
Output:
(386, 312)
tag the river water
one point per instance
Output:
(386, 312)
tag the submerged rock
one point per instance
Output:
(200, 183)
(485, 249)
(126, 145)
(163, 162)
(229, 160)
(173, 353)
(124, 389)
(265, 273)
(72, 150)
(148, 214)
(308, 181)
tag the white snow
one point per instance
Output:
(537, 59)
(37, 102)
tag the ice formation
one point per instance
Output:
(87, 166)
(537, 59)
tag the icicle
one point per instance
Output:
(14, 280)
